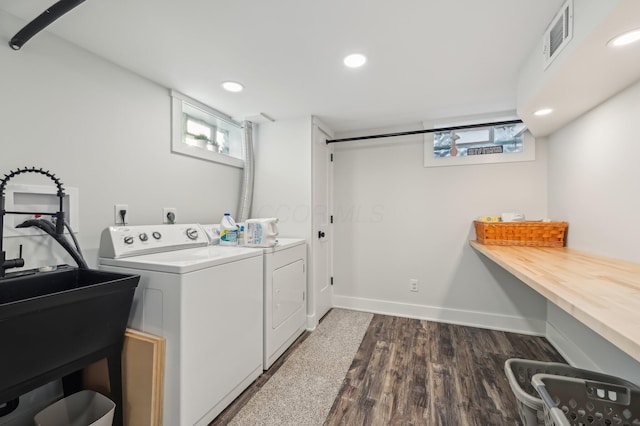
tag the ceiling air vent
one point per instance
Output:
(559, 33)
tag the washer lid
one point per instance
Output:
(183, 261)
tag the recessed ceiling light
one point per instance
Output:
(624, 39)
(232, 86)
(355, 60)
(543, 111)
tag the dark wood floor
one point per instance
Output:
(412, 372)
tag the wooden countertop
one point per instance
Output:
(602, 293)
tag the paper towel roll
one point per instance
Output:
(512, 217)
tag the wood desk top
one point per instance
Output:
(602, 293)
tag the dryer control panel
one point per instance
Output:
(125, 241)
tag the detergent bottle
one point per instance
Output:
(228, 231)
(241, 239)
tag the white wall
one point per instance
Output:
(397, 220)
(103, 130)
(593, 184)
(594, 175)
(107, 131)
(283, 175)
(283, 186)
(584, 348)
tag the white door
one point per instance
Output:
(322, 238)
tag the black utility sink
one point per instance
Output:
(55, 323)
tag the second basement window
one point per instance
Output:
(479, 141)
(479, 145)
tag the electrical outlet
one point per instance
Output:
(169, 215)
(413, 284)
(117, 217)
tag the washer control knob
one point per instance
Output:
(143, 236)
(157, 235)
(192, 233)
(128, 240)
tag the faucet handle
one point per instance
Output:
(17, 262)
(10, 263)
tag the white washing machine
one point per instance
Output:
(285, 288)
(207, 301)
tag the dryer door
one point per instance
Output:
(288, 291)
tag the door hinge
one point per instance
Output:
(331, 156)
(331, 218)
(331, 280)
(303, 296)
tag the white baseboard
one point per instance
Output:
(490, 321)
(569, 349)
(312, 322)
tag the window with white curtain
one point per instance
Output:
(200, 131)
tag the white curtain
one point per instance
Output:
(246, 194)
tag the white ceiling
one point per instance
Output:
(427, 59)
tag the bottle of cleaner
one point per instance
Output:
(228, 231)
(241, 240)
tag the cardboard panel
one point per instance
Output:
(142, 378)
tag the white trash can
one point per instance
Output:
(85, 408)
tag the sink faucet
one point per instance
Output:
(19, 262)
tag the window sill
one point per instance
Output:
(205, 154)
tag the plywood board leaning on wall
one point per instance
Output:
(142, 378)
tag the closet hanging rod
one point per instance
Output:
(417, 132)
(42, 21)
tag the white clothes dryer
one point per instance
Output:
(285, 304)
(207, 301)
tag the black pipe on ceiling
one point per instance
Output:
(42, 21)
(417, 132)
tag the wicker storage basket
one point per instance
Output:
(535, 234)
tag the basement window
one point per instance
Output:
(479, 145)
(200, 131)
